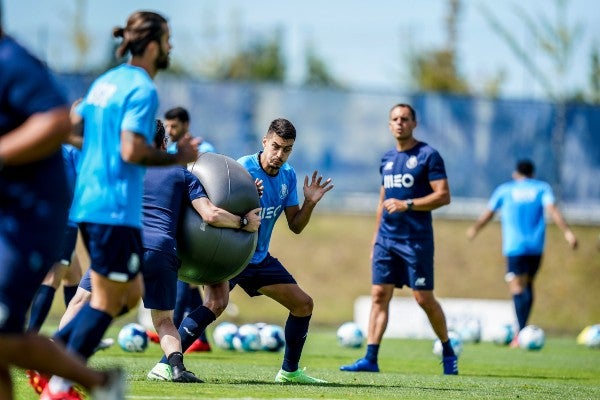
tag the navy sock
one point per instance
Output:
(296, 330)
(195, 301)
(91, 324)
(523, 302)
(69, 293)
(372, 353)
(40, 307)
(192, 326)
(447, 349)
(180, 302)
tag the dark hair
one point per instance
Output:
(143, 27)
(525, 167)
(282, 128)
(413, 113)
(179, 113)
(159, 134)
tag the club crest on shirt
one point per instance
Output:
(283, 192)
(411, 162)
(388, 165)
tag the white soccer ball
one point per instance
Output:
(593, 337)
(469, 330)
(133, 338)
(531, 337)
(590, 336)
(247, 338)
(223, 335)
(272, 337)
(503, 334)
(455, 341)
(350, 335)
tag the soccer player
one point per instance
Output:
(265, 275)
(34, 202)
(521, 203)
(413, 183)
(167, 191)
(177, 124)
(118, 123)
(64, 269)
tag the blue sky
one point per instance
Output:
(364, 43)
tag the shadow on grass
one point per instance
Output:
(340, 385)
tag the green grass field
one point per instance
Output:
(561, 370)
(330, 260)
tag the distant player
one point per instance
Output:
(522, 203)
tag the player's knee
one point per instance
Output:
(216, 306)
(304, 307)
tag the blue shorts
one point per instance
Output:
(68, 246)
(268, 272)
(115, 251)
(522, 265)
(403, 262)
(160, 279)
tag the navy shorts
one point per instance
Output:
(68, 246)
(115, 251)
(255, 276)
(522, 265)
(403, 262)
(160, 279)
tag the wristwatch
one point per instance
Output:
(243, 222)
(409, 204)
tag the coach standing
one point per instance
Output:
(413, 184)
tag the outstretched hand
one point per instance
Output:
(317, 188)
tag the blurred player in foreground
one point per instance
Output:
(118, 114)
(34, 202)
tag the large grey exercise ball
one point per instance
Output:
(211, 255)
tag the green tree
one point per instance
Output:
(436, 70)
(259, 60)
(595, 76)
(80, 37)
(317, 71)
(556, 39)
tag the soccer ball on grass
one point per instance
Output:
(272, 337)
(247, 338)
(223, 335)
(350, 335)
(590, 336)
(531, 337)
(503, 334)
(133, 338)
